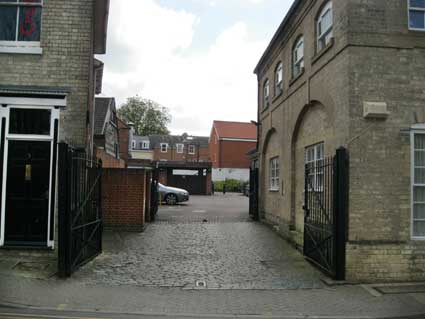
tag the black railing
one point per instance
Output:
(253, 193)
(325, 206)
(80, 209)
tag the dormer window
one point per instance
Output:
(164, 147)
(20, 25)
(417, 15)
(145, 145)
(279, 79)
(298, 57)
(324, 27)
(266, 93)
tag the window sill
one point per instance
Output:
(322, 52)
(274, 190)
(21, 50)
(278, 95)
(265, 109)
(295, 78)
(417, 29)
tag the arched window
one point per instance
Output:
(298, 57)
(324, 26)
(266, 94)
(278, 78)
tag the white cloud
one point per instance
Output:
(158, 64)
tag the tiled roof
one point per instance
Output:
(236, 130)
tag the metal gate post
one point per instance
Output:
(340, 210)
(99, 166)
(63, 215)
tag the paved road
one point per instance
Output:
(219, 208)
(154, 274)
(207, 243)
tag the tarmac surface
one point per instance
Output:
(203, 259)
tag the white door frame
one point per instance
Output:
(28, 103)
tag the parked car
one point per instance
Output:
(172, 195)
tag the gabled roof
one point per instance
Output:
(278, 33)
(102, 106)
(235, 130)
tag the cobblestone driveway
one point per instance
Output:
(226, 252)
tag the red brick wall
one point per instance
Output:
(109, 161)
(233, 154)
(123, 204)
(123, 137)
(201, 154)
(209, 184)
(214, 150)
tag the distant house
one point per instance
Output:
(141, 148)
(106, 133)
(229, 145)
(182, 160)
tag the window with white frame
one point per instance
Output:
(418, 185)
(180, 148)
(417, 15)
(324, 26)
(20, 22)
(145, 145)
(266, 94)
(279, 78)
(314, 157)
(274, 174)
(191, 149)
(164, 147)
(298, 57)
(133, 145)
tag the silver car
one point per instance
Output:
(172, 195)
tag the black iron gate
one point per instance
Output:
(80, 209)
(253, 193)
(325, 221)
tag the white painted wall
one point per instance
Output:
(221, 174)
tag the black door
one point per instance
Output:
(27, 193)
(194, 184)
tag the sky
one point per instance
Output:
(195, 57)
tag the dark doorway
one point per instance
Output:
(27, 193)
(194, 181)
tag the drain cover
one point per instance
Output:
(200, 284)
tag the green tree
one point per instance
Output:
(148, 117)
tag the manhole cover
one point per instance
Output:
(29, 266)
(200, 284)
